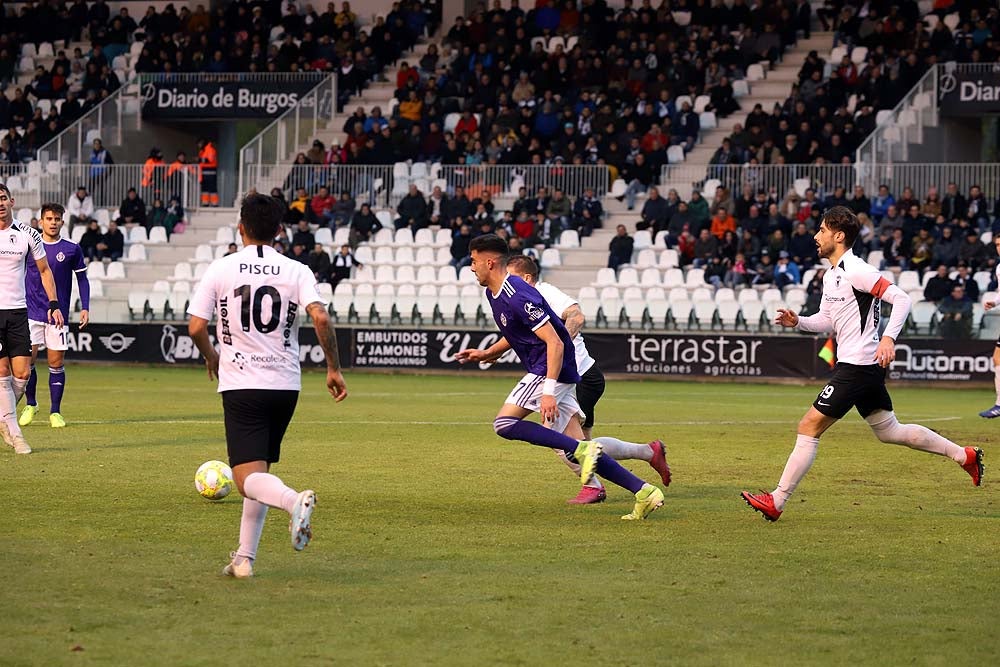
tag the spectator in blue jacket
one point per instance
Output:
(881, 203)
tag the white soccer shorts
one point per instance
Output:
(528, 395)
(49, 335)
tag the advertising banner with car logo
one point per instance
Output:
(969, 92)
(639, 353)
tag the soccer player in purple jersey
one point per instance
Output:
(539, 338)
(65, 259)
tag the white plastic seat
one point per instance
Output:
(442, 257)
(161, 286)
(702, 294)
(448, 302)
(669, 259)
(618, 188)
(924, 314)
(199, 271)
(385, 298)
(740, 88)
(138, 235)
(137, 303)
(95, 271)
(701, 103)
(859, 54)
(182, 271)
(875, 258)
(442, 238)
(426, 300)
(729, 313)
(384, 255)
(568, 239)
(469, 299)
(96, 288)
(675, 154)
(403, 237)
(342, 236)
(754, 73)
(752, 313)
(203, 253)
(650, 277)
(364, 301)
(628, 277)
(680, 312)
(418, 170)
(383, 236)
(404, 255)
(673, 278)
(589, 303)
(324, 236)
(795, 298)
(364, 254)
(115, 271)
(343, 298)
(406, 300)
(550, 258)
(605, 277)
(681, 99)
(426, 255)
(158, 235)
(611, 305)
(645, 259)
(406, 275)
(909, 280)
(426, 275)
(224, 235)
(724, 294)
(747, 295)
(634, 306)
(424, 237)
(642, 239)
(704, 312)
(446, 275)
(657, 307)
(695, 278)
(384, 275)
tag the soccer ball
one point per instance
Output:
(214, 480)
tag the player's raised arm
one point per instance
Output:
(554, 349)
(877, 285)
(327, 337)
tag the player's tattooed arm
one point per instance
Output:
(327, 337)
(574, 319)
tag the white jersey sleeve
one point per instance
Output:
(37, 248)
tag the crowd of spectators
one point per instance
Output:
(833, 105)
(577, 84)
(756, 238)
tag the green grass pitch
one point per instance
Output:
(438, 543)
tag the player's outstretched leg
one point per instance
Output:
(31, 402)
(270, 490)
(57, 385)
(10, 431)
(770, 505)
(888, 429)
(653, 453)
(251, 526)
(588, 454)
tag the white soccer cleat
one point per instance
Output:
(239, 567)
(21, 445)
(300, 526)
(5, 434)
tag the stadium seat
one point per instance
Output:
(551, 258)
(383, 255)
(753, 312)
(137, 304)
(157, 235)
(673, 278)
(383, 236)
(424, 237)
(324, 236)
(403, 237)
(983, 279)
(645, 258)
(568, 239)
(426, 255)
(224, 235)
(618, 188)
(740, 88)
(707, 120)
(385, 299)
(695, 278)
(341, 237)
(469, 299)
(657, 307)
(908, 280)
(729, 313)
(406, 275)
(24, 215)
(634, 306)
(701, 103)
(660, 240)
(680, 313)
(114, 271)
(808, 276)
(724, 294)
(77, 233)
(161, 286)
(404, 256)
(754, 73)
(704, 312)
(642, 239)
(95, 271)
(426, 275)
(650, 278)
(203, 253)
(628, 277)
(364, 254)
(589, 303)
(343, 297)
(182, 271)
(364, 301)
(875, 258)
(446, 275)
(426, 301)
(747, 294)
(442, 238)
(384, 274)
(924, 317)
(447, 302)
(796, 299)
(675, 154)
(605, 277)
(157, 304)
(611, 305)
(136, 253)
(859, 54)
(406, 300)
(669, 259)
(681, 99)
(702, 294)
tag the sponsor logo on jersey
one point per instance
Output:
(239, 361)
(503, 319)
(534, 312)
(60, 257)
(117, 342)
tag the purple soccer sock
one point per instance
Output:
(512, 428)
(57, 384)
(29, 389)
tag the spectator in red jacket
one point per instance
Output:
(467, 124)
(322, 206)
(405, 74)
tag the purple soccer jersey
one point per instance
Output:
(518, 311)
(65, 258)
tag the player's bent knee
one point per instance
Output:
(503, 426)
(886, 427)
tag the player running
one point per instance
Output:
(19, 245)
(850, 308)
(590, 388)
(994, 412)
(258, 296)
(65, 258)
(549, 388)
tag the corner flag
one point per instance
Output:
(827, 354)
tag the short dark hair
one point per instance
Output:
(843, 219)
(4, 188)
(524, 265)
(261, 216)
(58, 209)
(489, 243)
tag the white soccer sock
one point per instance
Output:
(996, 382)
(888, 429)
(8, 405)
(575, 467)
(799, 462)
(18, 386)
(270, 490)
(251, 526)
(620, 450)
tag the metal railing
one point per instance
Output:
(229, 77)
(385, 185)
(784, 178)
(265, 156)
(106, 184)
(108, 122)
(896, 129)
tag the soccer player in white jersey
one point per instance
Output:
(19, 244)
(850, 309)
(258, 297)
(994, 412)
(589, 389)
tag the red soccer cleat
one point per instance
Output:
(659, 461)
(763, 502)
(974, 464)
(588, 496)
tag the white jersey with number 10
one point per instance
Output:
(258, 296)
